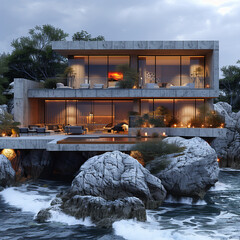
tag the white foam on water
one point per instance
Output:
(26, 201)
(219, 186)
(132, 230)
(32, 201)
(69, 220)
(184, 200)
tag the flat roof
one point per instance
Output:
(132, 47)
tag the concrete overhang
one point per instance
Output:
(121, 93)
(67, 48)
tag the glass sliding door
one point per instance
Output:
(168, 71)
(114, 75)
(192, 69)
(164, 108)
(185, 110)
(146, 70)
(55, 112)
(80, 70)
(146, 106)
(71, 108)
(121, 109)
(98, 70)
(102, 113)
(84, 112)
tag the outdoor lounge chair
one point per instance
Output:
(74, 130)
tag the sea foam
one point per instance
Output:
(33, 202)
(132, 230)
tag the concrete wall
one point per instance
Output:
(123, 93)
(21, 101)
(183, 132)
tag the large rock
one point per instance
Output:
(7, 174)
(190, 173)
(115, 175)
(101, 212)
(227, 147)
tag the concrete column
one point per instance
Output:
(21, 102)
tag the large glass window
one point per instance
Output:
(193, 71)
(146, 69)
(71, 107)
(55, 111)
(102, 113)
(84, 112)
(172, 71)
(80, 69)
(184, 111)
(121, 109)
(98, 70)
(164, 108)
(168, 71)
(146, 106)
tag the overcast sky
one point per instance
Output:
(129, 20)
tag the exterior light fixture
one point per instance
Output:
(164, 134)
(145, 134)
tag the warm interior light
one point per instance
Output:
(218, 160)
(9, 153)
(145, 134)
(164, 134)
(115, 76)
(175, 125)
(3, 134)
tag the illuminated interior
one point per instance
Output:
(99, 113)
(168, 71)
(96, 70)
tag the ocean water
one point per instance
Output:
(216, 217)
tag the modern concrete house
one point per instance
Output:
(179, 76)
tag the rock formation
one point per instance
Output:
(109, 187)
(190, 173)
(115, 175)
(7, 174)
(228, 148)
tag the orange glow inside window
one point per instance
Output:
(115, 76)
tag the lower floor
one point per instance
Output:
(95, 113)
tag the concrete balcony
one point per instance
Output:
(122, 93)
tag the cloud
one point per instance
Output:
(129, 20)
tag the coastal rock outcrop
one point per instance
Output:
(115, 175)
(7, 174)
(109, 187)
(190, 173)
(228, 147)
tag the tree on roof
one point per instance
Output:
(85, 36)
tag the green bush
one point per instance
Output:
(214, 120)
(7, 124)
(157, 122)
(156, 148)
(130, 76)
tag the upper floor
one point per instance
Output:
(170, 65)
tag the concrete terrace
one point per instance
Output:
(50, 142)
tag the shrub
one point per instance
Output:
(7, 125)
(213, 119)
(157, 122)
(130, 76)
(156, 148)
